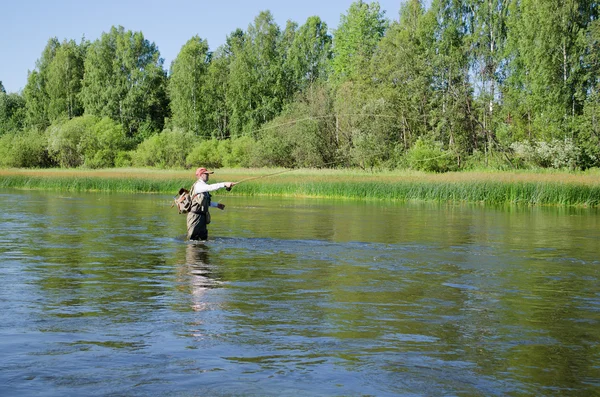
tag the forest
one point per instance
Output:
(459, 85)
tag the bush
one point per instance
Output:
(64, 140)
(494, 160)
(86, 141)
(428, 155)
(241, 152)
(25, 149)
(123, 159)
(102, 142)
(553, 154)
(167, 149)
(273, 150)
(205, 153)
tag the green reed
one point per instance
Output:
(490, 192)
(98, 184)
(488, 189)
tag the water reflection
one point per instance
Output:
(202, 275)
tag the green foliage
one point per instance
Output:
(356, 39)
(404, 76)
(12, 112)
(64, 138)
(35, 92)
(86, 141)
(24, 149)
(427, 155)
(553, 154)
(255, 94)
(187, 85)
(167, 149)
(213, 153)
(101, 144)
(63, 84)
(490, 160)
(307, 58)
(124, 79)
(466, 79)
(123, 159)
(372, 136)
(205, 153)
(241, 153)
(302, 136)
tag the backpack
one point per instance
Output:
(183, 201)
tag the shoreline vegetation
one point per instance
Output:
(581, 189)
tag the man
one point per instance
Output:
(199, 217)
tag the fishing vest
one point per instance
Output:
(201, 204)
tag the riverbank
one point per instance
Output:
(529, 188)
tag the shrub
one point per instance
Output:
(24, 149)
(242, 152)
(205, 153)
(273, 150)
(123, 159)
(164, 150)
(494, 160)
(553, 154)
(428, 155)
(64, 140)
(102, 142)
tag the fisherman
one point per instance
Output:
(199, 216)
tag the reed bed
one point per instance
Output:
(563, 189)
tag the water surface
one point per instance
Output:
(101, 295)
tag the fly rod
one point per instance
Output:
(264, 176)
(261, 176)
(275, 173)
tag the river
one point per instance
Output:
(102, 296)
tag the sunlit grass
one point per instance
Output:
(530, 188)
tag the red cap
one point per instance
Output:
(201, 171)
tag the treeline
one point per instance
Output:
(461, 85)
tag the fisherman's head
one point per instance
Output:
(203, 173)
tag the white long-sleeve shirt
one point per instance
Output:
(200, 187)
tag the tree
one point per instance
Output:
(354, 43)
(216, 90)
(545, 45)
(35, 91)
(256, 77)
(403, 75)
(588, 126)
(125, 80)
(12, 112)
(356, 39)
(453, 118)
(186, 86)
(486, 39)
(308, 56)
(63, 84)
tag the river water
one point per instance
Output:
(101, 295)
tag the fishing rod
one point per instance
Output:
(261, 176)
(275, 173)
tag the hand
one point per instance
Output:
(229, 185)
(221, 206)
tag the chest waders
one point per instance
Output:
(199, 217)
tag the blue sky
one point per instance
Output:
(26, 25)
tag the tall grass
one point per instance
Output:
(490, 188)
(491, 192)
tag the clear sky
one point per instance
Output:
(26, 25)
